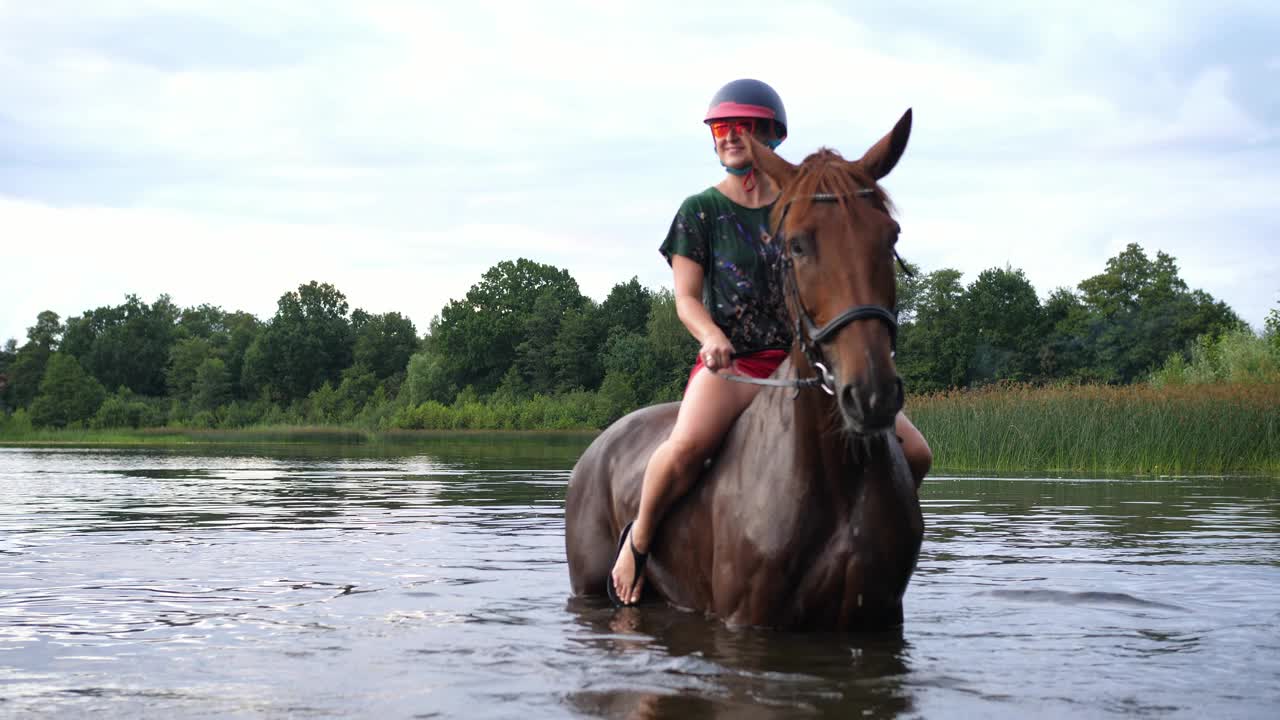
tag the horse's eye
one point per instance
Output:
(800, 245)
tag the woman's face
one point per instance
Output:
(729, 135)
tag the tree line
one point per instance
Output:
(526, 348)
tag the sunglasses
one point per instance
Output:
(720, 128)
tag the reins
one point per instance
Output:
(808, 334)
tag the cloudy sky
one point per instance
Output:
(225, 152)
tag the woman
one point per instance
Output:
(728, 297)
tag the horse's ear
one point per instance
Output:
(882, 156)
(770, 163)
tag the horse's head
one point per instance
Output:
(839, 235)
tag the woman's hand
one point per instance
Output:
(716, 352)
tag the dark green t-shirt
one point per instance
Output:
(741, 287)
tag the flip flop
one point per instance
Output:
(640, 559)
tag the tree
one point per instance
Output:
(1005, 321)
(211, 387)
(1145, 312)
(476, 337)
(934, 347)
(670, 349)
(48, 330)
(1272, 328)
(533, 355)
(204, 321)
(27, 365)
(576, 352)
(427, 379)
(626, 308)
(185, 359)
(7, 355)
(309, 342)
(68, 394)
(242, 329)
(125, 345)
(1068, 350)
(911, 284)
(384, 343)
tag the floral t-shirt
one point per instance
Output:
(741, 287)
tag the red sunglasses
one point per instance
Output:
(720, 128)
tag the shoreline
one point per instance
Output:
(286, 436)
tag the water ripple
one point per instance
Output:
(299, 584)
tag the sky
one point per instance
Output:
(225, 153)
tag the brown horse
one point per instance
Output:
(807, 517)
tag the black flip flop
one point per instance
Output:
(640, 559)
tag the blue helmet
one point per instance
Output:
(749, 98)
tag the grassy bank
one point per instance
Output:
(1220, 428)
(188, 436)
(1211, 428)
(267, 435)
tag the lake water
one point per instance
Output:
(429, 581)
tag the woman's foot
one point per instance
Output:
(627, 579)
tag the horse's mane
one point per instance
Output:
(826, 171)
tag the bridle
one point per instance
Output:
(809, 334)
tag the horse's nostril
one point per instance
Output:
(848, 400)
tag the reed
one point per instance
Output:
(1213, 428)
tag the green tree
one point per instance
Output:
(242, 329)
(533, 355)
(427, 380)
(67, 395)
(211, 387)
(1145, 312)
(7, 355)
(576, 353)
(911, 285)
(1272, 329)
(358, 385)
(48, 330)
(204, 321)
(309, 342)
(125, 409)
(670, 350)
(626, 308)
(476, 337)
(935, 345)
(1068, 351)
(27, 366)
(618, 394)
(127, 344)
(384, 343)
(1005, 321)
(185, 358)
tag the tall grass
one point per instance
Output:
(1143, 428)
(1215, 428)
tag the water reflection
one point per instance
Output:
(710, 670)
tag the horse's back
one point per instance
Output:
(607, 477)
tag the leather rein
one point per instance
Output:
(809, 334)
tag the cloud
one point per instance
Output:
(398, 149)
(74, 259)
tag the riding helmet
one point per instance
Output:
(748, 98)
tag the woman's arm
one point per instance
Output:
(716, 348)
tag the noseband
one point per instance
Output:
(809, 334)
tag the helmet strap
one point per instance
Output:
(748, 173)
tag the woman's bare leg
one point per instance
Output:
(708, 410)
(919, 456)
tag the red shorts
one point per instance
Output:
(757, 364)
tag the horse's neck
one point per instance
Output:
(801, 430)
